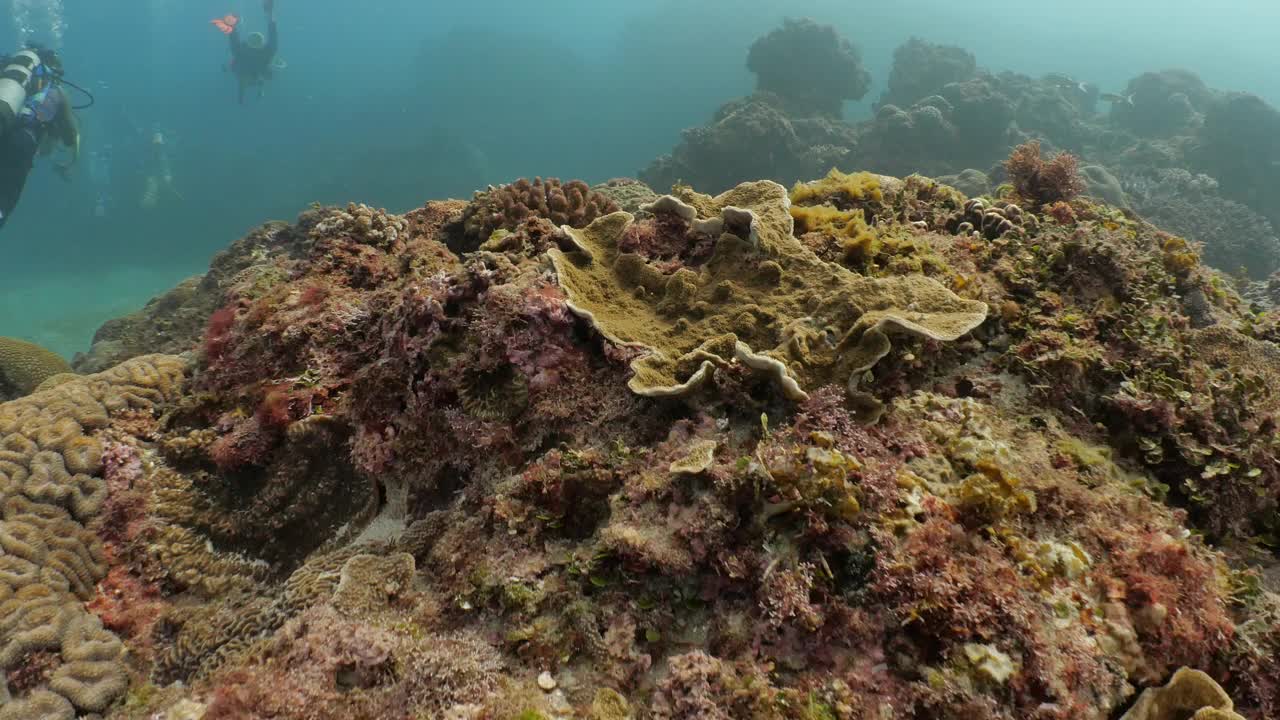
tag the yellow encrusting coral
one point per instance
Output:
(1180, 257)
(857, 240)
(860, 186)
(838, 206)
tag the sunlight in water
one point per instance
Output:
(39, 20)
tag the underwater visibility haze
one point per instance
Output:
(680, 360)
(599, 90)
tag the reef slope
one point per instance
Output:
(864, 449)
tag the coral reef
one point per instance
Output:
(174, 322)
(24, 366)
(725, 153)
(765, 288)
(1160, 104)
(922, 68)
(810, 67)
(942, 115)
(669, 464)
(627, 193)
(1237, 146)
(1265, 294)
(982, 112)
(53, 487)
(900, 140)
(992, 446)
(1235, 238)
(503, 208)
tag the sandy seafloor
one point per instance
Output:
(62, 312)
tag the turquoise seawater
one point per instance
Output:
(392, 102)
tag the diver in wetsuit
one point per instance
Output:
(251, 57)
(35, 114)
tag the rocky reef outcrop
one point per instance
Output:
(719, 156)
(862, 447)
(922, 68)
(174, 322)
(944, 115)
(809, 67)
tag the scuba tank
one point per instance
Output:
(14, 79)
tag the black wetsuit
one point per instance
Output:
(252, 66)
(18, 149)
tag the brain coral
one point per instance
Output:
(762, 299)
(573, 203)
(24, 365)
(51, 486)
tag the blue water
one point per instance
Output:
(393, 102)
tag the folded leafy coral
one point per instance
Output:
(1188, 694)
(762, 298)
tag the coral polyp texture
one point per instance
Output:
(857, 449)
(24, 366)
(54, 487)
(505, 208)
(1189, 693)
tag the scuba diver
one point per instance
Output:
(159, 183)
(252, 58)
(35, 114)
